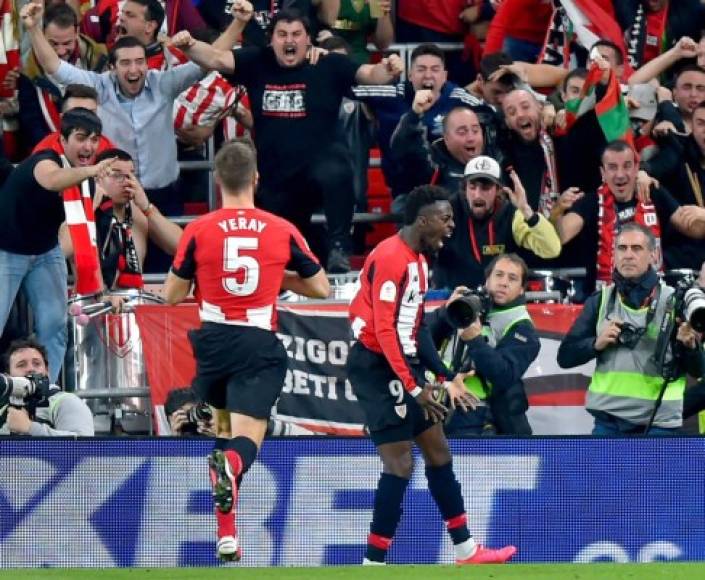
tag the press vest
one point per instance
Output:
(626, 383)
(500, 322)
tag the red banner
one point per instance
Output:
(316, 393)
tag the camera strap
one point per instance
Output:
(653, 299)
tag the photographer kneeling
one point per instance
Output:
(37, 407)
(642, 354)
(496, 337)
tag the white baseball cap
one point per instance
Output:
(483, 167)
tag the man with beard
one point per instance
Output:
(615, 203)
(39, 96)
(386, 368)
(135, 105)
(31, 211)
(489, 226)
(295, 107)
(388, 103)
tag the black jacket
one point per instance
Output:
(503, 365)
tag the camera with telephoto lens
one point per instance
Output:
(692, 308)
(31, 391)
(469, 307)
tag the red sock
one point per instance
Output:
(226, 523)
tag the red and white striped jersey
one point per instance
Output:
(237, 259)
(388, 308)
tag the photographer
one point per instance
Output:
(48, 411)
(188, 416)
(497, 339)
(622, 327)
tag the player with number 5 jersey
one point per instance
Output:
(239, 258)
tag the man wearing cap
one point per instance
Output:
(642, 111)
(489, 225)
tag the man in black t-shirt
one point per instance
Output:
(614, 204)
(31, 211)
(295, 109)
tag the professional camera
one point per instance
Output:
(629, 335)
(693, 308)
(33, 389)
(468, 307)
(199, 412)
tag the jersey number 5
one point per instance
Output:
(246, 266)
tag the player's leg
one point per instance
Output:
(397, 468)
(251, 391)
(445, 490)
(384, 403)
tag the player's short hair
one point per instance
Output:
(113, 153)
(60, 15)
(636, 227)
(609, 44)
(290, 15)
(235, 164)
(154, 12)
(20, 344)
(124, 42)
(514, 259)
(428, 49)
(576, 73)
(421, 197)
(77, 91)
(80, 118)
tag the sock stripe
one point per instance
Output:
(457, 521)
(379, 541)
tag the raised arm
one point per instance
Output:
(31, 16)
(684, 48)
(204, 55)
(241, 12)
(55, 178)
(381, 73)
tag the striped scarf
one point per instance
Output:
(607, 226)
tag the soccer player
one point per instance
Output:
(239, 259)
(386, 369)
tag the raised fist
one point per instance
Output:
(31, 15)
(182, 40)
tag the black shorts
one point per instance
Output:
(238, 368)
(391, 413)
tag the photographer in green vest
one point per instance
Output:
(490, 331)
(620, 327)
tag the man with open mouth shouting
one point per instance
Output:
(295, 107)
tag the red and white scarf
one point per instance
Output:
(78, 207)
(607, 226)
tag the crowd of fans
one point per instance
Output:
(548, 142)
